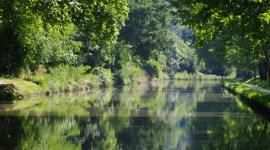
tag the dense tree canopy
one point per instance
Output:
(147, 27)
(151, 31)
(27, 27)
(240, 26)
(115, 34)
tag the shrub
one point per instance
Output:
(195, 76)
(104, 76)
(130, 74)
(65, 78)
(152, 68)
(182, 76)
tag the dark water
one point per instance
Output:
(176, 115)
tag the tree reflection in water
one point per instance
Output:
(175, 115)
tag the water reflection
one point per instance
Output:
(169, 115)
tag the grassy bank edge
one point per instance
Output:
(260, 98)
(66, 79)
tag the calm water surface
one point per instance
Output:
(170, 115)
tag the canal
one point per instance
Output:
(167, 115)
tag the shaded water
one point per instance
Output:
(170, 115)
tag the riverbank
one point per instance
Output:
(66, 79)
(56, 80)
(199, 76)
(250, 92)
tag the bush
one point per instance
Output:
(130, 74)
(152, 68)
(196, 76)
(104, 76)
(182, 76)
(66, 78)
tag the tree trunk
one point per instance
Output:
(267, 64)
(262, 70)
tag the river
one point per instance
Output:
(167, 115)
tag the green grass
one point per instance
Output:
(130, 74)
(56, 80)
(249, 93)
(66, 79)
(84, 78)
(196, 76)
(23, 86)
(256, 81)
(69, 79)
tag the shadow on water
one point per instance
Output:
(168, 115)
(257, 108)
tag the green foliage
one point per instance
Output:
(237, 31)
(42, 32)
(104, 17)
(147, 27)
(180, 57)
(66, 78)
(122, 54)
(18, 89)
(249, 93)
(50, 47)
(196, 76)
(151, 32)
(105, 76)
(256, 81)
(152, 68)
(130, 74)
(117, 56)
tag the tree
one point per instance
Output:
(147, 27)
(180, 56)
(99, 20)
(234, 23)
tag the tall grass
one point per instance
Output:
(196, 76)
(130, 74)
(66, 78)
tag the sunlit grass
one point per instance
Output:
(57, 80)
(249, 93)
(198, 76)
(256, 81)
(23, 86)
